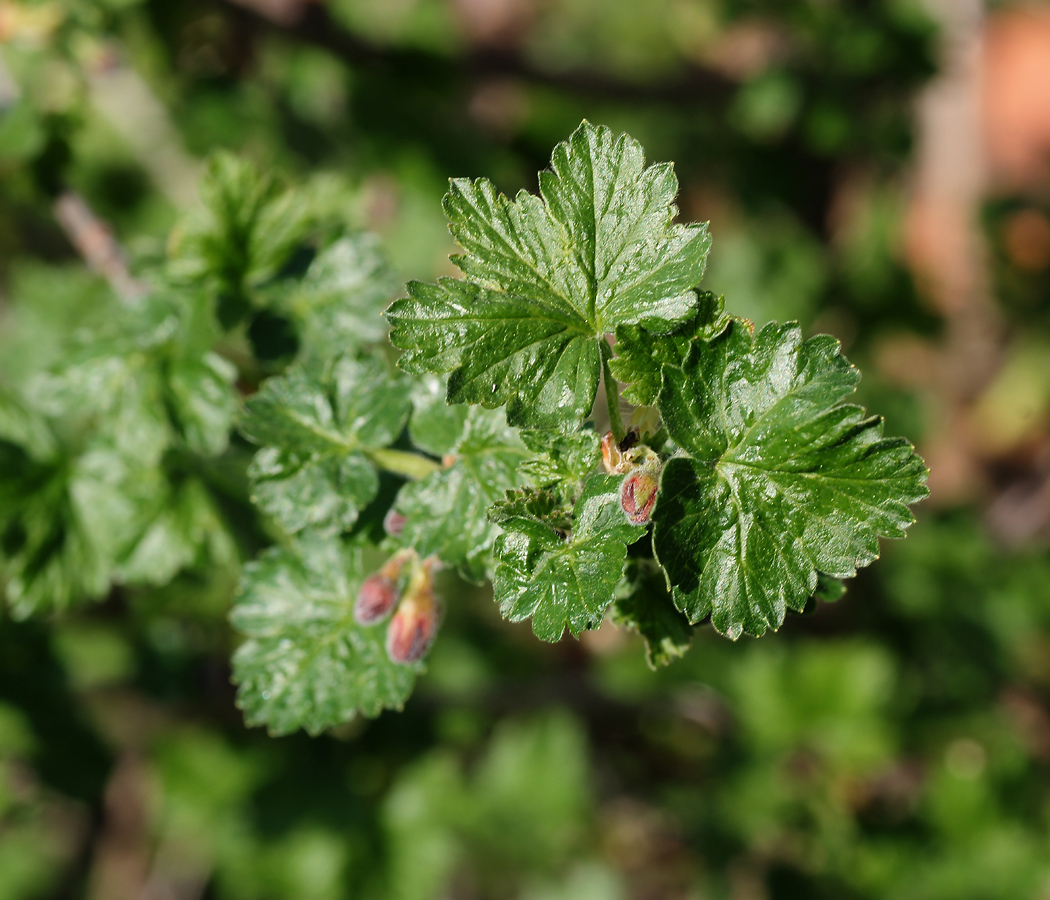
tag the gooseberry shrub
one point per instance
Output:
(573, 420)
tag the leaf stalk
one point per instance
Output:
(612, 398)
(399, 462)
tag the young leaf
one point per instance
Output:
(644, 603)
(526, 508)
(306, 662)
(565, 582)
(317, 425)
(779, 479)
(641, 355)
(445, 513)
(547, 277)
(563, 461)
(240, 237)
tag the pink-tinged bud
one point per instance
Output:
(394, 523)
(375, 600)
(380, 592)
(411, 631)
(638, 494)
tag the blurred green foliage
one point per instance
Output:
(895, 744)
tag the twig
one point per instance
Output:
(309, 22)
(94, 241)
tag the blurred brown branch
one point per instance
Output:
(308, 21)
(94, 241)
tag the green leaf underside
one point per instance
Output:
(446, 511)
(547, 277)
(782, 480)
(644, 603)
(307, 663)
(316, 425)
(641, 355)
(565, 582)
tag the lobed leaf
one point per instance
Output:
(241, 236)
(547, 277)
(779, 480)
(317, 424)
(306, 662)
(565, 582)
(69, 524)
(445, 512)
(149, 381)
(641, 355)
(186, 530)
(644, 604)
(340, 301)
(563, 460)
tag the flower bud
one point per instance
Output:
(394, 523)
(638, 495)
(411, 631)
(379, 593)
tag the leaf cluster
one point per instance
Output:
(735, 483)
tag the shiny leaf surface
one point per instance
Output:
(779, 480)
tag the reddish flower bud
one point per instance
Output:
(375, 600)
(380, 592)
(638, 494)
(411, 631)
(394, 523)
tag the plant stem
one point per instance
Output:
(411, 465)
(612, 398)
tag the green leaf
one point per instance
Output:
(340, 301)
(445, 512)
(241, 236)
(563, 461)
(528, 508)
(317, 425)
(436, 425)
(641, 355)
(71, 521)
(23, 428)
(779, 479)
(146, 382)
(201, 402)
(22, 132)
(306, 663)
(186, 531)
(106, 388)
(644, 604)
(547, 277)
(565, 582)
